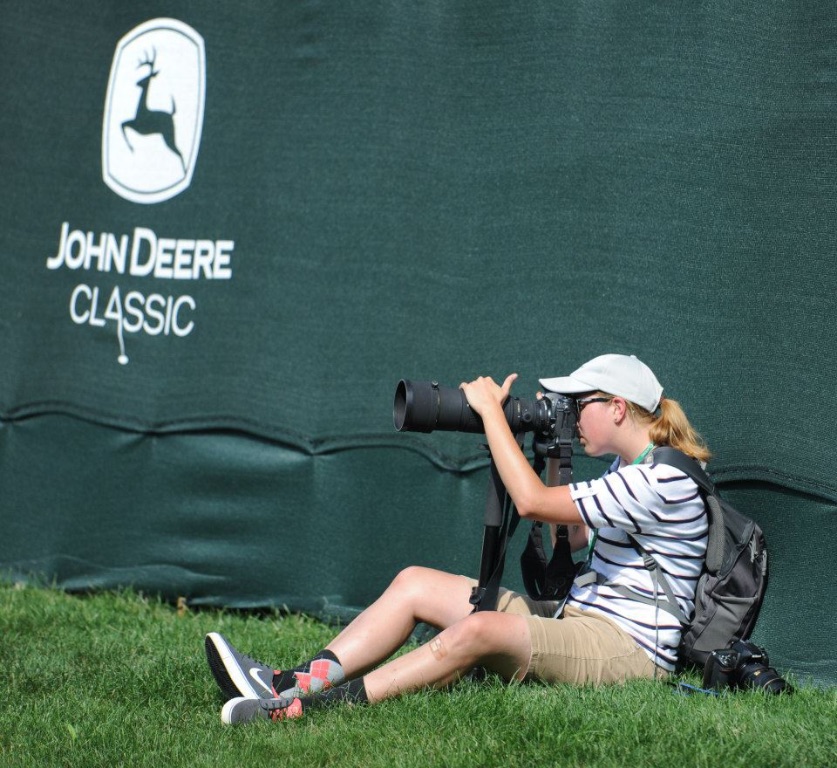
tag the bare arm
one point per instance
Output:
(533, 499)
(579, 537)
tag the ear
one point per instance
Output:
(619, 409)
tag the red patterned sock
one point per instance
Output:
(320, 673)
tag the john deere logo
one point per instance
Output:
(154, 111)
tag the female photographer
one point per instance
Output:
(600, 635)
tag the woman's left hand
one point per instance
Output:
(485, 392)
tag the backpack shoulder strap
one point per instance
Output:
(659, 579)
(665, 454)
(716, 539)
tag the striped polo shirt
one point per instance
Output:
(663, 510)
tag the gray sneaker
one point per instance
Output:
(238, 675)
(244, 710)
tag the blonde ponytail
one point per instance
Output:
(673, 428)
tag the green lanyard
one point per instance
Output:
(595, 532)
(639, 459)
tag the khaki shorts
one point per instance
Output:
(580, 647)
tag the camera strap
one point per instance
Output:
(550, 579)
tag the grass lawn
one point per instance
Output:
(121, 680)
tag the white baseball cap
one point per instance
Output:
(620, 375)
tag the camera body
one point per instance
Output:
(742, 665)
(425, 406)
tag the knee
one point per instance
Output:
(472, 636)
(412, 580)
(499, 642)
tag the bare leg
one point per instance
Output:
(416, 595)
(498, 641)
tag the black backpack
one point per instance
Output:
(729, 592)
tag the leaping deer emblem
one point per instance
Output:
(147, 121)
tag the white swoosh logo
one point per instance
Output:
(254, 673)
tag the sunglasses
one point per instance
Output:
(580, 405)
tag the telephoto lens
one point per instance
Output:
(425, 406)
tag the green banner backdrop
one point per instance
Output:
(228, 230)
